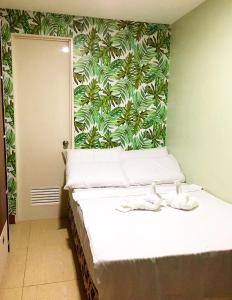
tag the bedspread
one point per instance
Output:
(169, 254)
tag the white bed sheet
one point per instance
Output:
(78, 218)
(144, 255)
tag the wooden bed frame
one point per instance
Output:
(90, 289)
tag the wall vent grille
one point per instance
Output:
(45, 196)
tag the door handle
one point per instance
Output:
(65, 144)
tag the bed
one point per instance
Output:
(152, 255)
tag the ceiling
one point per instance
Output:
(157, 11)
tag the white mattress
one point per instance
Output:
(144, 255)
(78, 218)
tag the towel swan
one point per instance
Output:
(180, 200)
(154, 201)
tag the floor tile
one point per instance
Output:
(15, 268)
(19, 235)
(59, 238)
(58, 291)
(11, 294)
(39, 226)
(41, 264)
(49, 264)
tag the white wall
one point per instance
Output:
(199, 129)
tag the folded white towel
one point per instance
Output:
(181, 201)
(146, 202)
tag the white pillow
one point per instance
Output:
(146, 153)
(93, 155)
(141, 171)
(86, 168)
(95, 174)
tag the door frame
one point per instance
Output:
(2, 112)
(71, 96)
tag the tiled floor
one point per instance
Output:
(41, 264)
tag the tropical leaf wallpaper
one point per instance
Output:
(120, 80)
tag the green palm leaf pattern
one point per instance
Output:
(120, 80)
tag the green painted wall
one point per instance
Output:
(120, 80)
(199, 124)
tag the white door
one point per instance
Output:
(42, 71)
